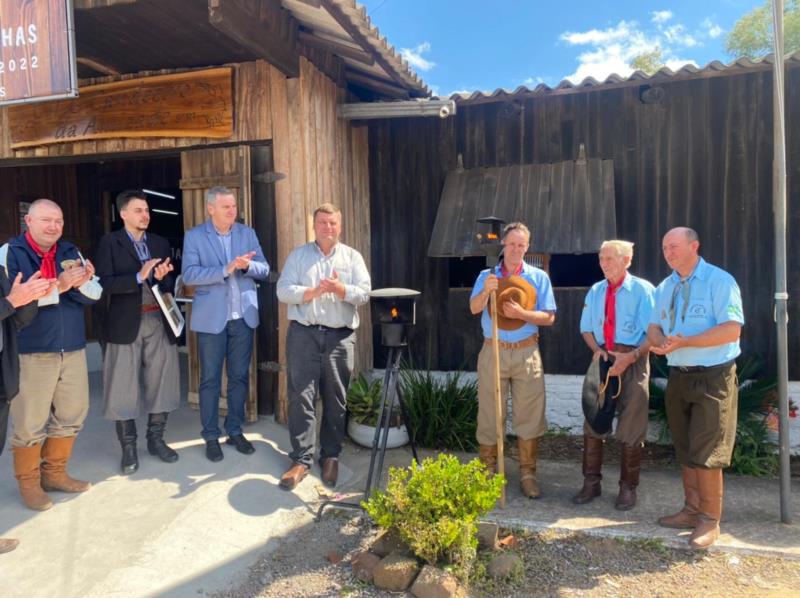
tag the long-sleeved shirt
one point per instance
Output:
(306, 267)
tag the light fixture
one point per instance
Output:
(398, 109)
(158, 194)
(170, 212)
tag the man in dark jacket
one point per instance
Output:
(16, 310)
(140, 359)
(53, 400)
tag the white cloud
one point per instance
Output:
(414, 57)
(611, 50)
(712, 29)
(661, 16)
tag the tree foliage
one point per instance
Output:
(649, 62)
(752, 37)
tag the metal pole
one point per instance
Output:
(781, 294)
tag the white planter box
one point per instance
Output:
(364, 435)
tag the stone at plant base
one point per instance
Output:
(487, 535)
(504, 565)
(388, 542)
(435, 583)
(363, 564)
(395, 572)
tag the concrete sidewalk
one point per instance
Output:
(196, 526)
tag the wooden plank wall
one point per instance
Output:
(701, 157)
(325, 159)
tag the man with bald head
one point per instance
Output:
(697, 322)
(53, 398)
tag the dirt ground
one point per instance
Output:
(315, 561)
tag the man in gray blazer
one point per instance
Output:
(222, 259)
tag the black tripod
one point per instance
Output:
(390, 395)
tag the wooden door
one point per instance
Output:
(202, 169)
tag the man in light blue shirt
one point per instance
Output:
(223, 260)
(696, 323)
(614, 324)
(520, 361)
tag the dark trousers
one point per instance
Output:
(702, 410)
(4, 408)
(319, 360)
(234, 344)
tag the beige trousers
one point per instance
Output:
(53, 397)
(521, 371)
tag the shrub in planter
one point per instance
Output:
(364, 406)
(434, 508)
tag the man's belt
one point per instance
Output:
(531, 340)
(146, 309)
(686, 369)
(618, 348)
(321, 327)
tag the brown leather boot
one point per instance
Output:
(628, 477)
(55, 455)
(487, 453)
(8, 544)
(686, 518)
(528, 453)
(709, 483)
(592, 467)
(26, 470)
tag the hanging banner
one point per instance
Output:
(37, 51)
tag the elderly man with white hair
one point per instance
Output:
(614, 322)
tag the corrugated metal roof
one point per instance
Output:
(664, 75)
(568, 206)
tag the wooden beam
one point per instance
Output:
(360, 39)
(312, 3)
(379, 85)
(334, 47)
(232, 20)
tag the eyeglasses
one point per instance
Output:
(682, 288)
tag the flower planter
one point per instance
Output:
(364, 435)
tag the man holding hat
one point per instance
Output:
(614, 324)
(525, 302)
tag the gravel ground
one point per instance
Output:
(555, 564)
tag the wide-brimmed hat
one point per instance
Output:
(600, 395)
(517, 289)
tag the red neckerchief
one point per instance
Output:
(610, 321)
(504, 272)
(48, 267)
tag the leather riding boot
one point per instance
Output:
(709, 483)
(528, 453)
(126, 432)
(629, 467)
(592, 468)
(55, 456)
(487, 453)
(27, 460)
(686, 518)
(156, 424)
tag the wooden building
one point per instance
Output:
(688, 148)
(177, 96)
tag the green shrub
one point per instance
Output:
(364, 400)
(442, 414)
(434, 508)
(753, 454)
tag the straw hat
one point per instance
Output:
(519, 290)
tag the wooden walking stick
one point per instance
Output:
(498, 405)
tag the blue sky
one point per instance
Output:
(471, 45)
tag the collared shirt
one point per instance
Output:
(306, 267)
(234, 296)
(142, 250)
(545, 301)
(713, 298)
(633, 307)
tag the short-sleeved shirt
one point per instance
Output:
(545, 301)
(633, 308)
(714, 298)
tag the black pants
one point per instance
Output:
(320, 360)
(4, 405)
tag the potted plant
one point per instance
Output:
(363, 407)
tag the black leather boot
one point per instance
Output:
(156, 423)
(126, 432)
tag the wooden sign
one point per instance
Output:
(37, 57)
(191, 104)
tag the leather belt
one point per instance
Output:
(687, 369)
(620, 348)
(146, 309)
(321, 327)
(531, 340)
